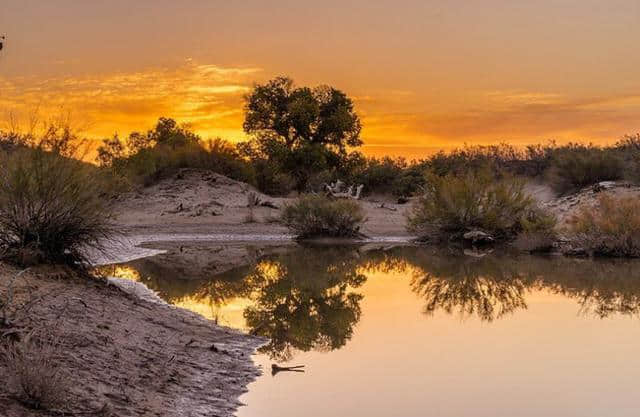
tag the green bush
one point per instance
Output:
(629, 150)
(612, 228)
(576, 166)
(52, 208)
(316, 215)
(452, 205)
(162, 151)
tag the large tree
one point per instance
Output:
(297, 132)
(300, 116)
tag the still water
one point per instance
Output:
(408, 331)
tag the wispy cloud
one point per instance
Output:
(207, 96)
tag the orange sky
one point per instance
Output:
(424, 74)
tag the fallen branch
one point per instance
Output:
(336, 190)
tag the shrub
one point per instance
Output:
(452, 205)
(146, 158)
(32, 372)
(51, 207)
(316, 215)
(629, 150)
(612, 228)
(576, 166)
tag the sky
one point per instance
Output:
(424, 75)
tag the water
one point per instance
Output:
(410, 331)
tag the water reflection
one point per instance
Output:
(308, 298)
(305, 300)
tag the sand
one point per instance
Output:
(195, 201)
(127, 356)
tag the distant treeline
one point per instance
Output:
(302, 138)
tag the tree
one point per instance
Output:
(301, 115)
(301, 130)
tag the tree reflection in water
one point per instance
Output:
(305, 300)
(308, 298)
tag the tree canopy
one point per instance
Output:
(299, 116)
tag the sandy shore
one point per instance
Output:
(125, 356)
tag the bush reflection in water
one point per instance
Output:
(308, 297)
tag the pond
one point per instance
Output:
(414, 331)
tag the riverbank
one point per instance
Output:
(124, 356)
(202, 202)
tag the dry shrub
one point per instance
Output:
(33, 375)
(576, 166)
(316, 215)
(51, 207)
(452, 205)
(612, 228)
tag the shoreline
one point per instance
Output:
(126, 354)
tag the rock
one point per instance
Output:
(478, 236)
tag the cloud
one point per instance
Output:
(207, 96)
(210, 98)
(510, 116)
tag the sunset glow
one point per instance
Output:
(423, 75)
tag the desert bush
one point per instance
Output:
(51, 207)
(575, 166)
(33, 375)
(452, 205)
(162, 151)
(629, 150)
(501, 157)
(611, 228)
(316, 215)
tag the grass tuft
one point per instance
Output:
(32, 373)
(51, 208)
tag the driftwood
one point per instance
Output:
(275, 369)
(254, 201)
(336, 190)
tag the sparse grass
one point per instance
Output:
(452, 205)
(51, 208)
(316, 215)
(612, 228)
(32, 372)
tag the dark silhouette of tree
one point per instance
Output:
(299, 116)
(298, 130)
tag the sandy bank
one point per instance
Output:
(195, 201)
(125, 356)
(201, 202)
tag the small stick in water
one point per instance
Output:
(275, 369)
